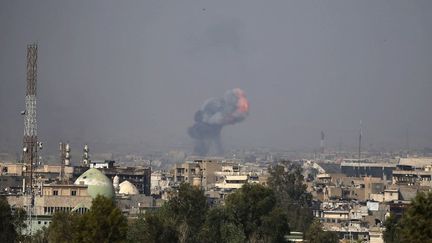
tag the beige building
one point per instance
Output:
(42, 173)
(55, 198)
(373, 185)
(203, 169)
(52, 198)
(391, 195)
(11, 169)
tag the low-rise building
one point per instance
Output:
(51, 198)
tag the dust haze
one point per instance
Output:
(134, 74)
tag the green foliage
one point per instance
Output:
(274, 226)
(152, 227)
(188, 211)
(220, 226)
(416, 223)
(41, 236)
(315, 234)
(392, 230)
(231, 233)
(254, 210)
(178, 220)
(250, 215)
(188, 207)
(12, 225)
(19, 222)
(7, 229)
(63, 227)
(287, 182)
(103, 223)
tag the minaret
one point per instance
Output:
(86, 156)
(64, 160)
(116, 184)
(30, 146)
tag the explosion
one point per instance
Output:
(213, 115)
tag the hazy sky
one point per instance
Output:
(134, 72)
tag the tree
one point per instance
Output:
(274, 226)
(220, 226)
(249, 215)
(188, 209)
(41, 236)
(287, 182)
(416, 223)
(254, 209)
(103, 223)
(7, 229)
(392, 230)
(63, 227)
(152, 227)
(19, 222)
(178, 220)
(315, 234)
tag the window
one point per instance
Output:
(55, 193)
(73, 193)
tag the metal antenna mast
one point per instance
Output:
(30, 144)
(30, 141)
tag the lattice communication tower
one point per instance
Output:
(30, 141)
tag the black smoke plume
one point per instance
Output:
(214, 114)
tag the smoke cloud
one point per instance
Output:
(213, 115)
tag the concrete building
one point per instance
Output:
(11, 184)
(52, 198)
(160, 181)
(205, 169)
(101, 164)
(232, 182)
(380, 170)
(391, 195)
(413, 163)
(185, 172)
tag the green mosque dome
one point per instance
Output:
(97, 183)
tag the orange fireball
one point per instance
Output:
(242, 102)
